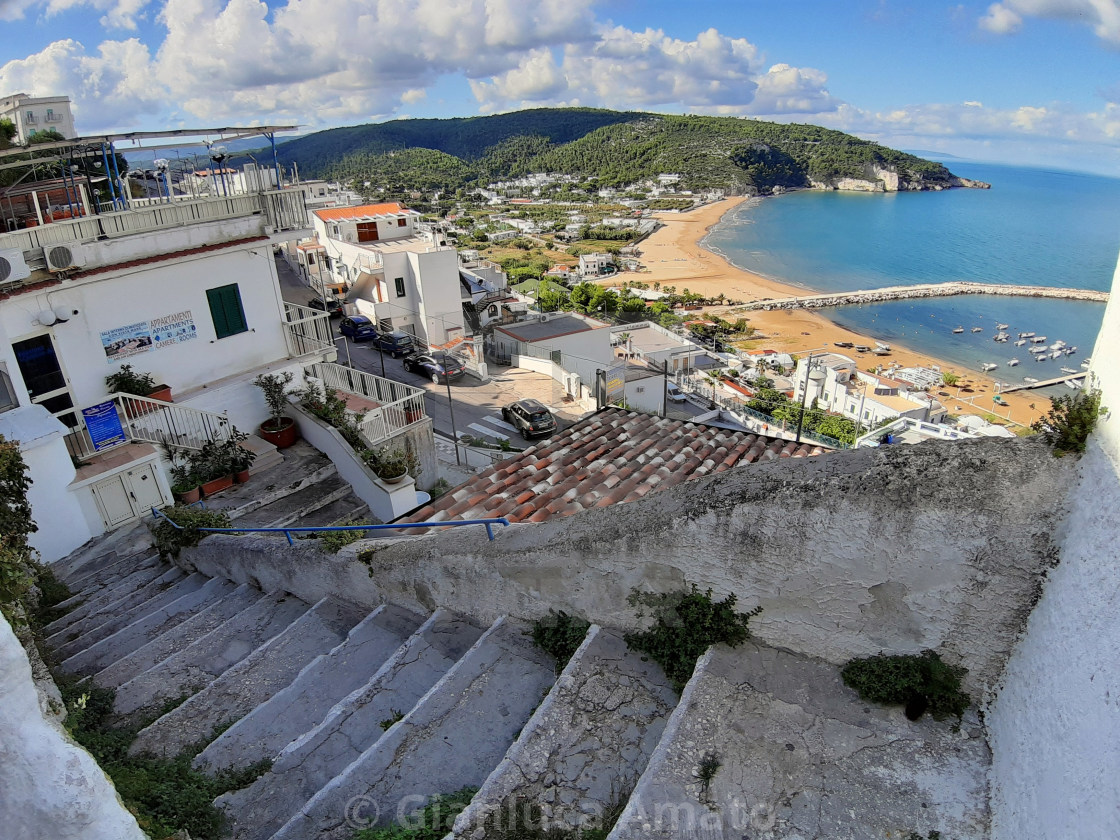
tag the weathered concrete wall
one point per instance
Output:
(1055, 727)
(49, 786)
(939, 546)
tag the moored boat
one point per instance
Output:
(987, 366)
(958, 330)
(1020, 342)
(1012, 362)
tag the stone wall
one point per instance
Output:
(49, 787)
(1055, 726)
(939, 545)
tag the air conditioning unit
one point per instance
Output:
(64, 257)
(13, 268)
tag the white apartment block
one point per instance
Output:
(592, 265)
(838, 386)
(32, 114)
(394, 274)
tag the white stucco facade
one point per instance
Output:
(1055, 726)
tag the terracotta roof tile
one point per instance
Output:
(610, 457)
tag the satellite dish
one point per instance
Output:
(46, 317)
(63, 313)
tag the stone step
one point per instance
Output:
(347, 509)
(589, 741)
(286, 509)
(177, 638)
(102, 551)
(193, 668)
(311, 761)
(453, 738)
(100, 595)
(798, 754)
(250, 682)
(299, 466)
(268, 455)
(299, 707)
(147, 627)
(103, 623)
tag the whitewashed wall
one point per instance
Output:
(1055, 726)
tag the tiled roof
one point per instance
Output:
(363, 212)
(613, 456)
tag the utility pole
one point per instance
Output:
(805, 392)
(451, 408)
(664, 387)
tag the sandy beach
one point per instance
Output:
(673, 256)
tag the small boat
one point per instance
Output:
(977, 329)
(1020, 342)
(1030, 379)
(1012, 362)
(1027, 335)
(1001, 337)
(1073, 384)
(1067, 370)
(1056, 354)
(987, 366)
(1001, 326)
(842, 344)
(1041, 357)
(1038, 339)
(881, 351)
(882, 345)
(998, 400)
(1058, 345)
(1069, 351)
(958, 330)
(1038, 350)
(862, 348)
(1085, 364)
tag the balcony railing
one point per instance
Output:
(307, 330)
(398, 405)
(145, 420)
(282, 210)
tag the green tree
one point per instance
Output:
(582, 295)
(17, 572)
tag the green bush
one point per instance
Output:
(170, 540)
(560, 636)
(333, 542)
(1071, 420)
(919, 682)
(165, 795)
(686, 625)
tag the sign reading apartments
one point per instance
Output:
(129, 340)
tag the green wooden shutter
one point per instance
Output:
(226, 310)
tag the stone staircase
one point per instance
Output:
(365, 714)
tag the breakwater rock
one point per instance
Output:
(926, 290)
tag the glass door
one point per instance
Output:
(43, 376)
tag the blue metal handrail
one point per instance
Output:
(287, 532)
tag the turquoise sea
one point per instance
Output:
(1033, 227)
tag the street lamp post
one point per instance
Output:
(451, 409)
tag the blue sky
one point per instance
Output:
(1016, 81)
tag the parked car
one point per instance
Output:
(396, 343)
(529, 417)
(674, 393)
(357, 327)
(439, 367)
(332, 306)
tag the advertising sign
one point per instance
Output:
(104, 426)
(122, 342)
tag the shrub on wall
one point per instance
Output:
(1071, 420)
(919, 682)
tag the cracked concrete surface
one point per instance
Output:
(801, 757)
(589, 741)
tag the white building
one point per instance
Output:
(840, 387)
(574, 343)
(654, 346)
(397, 276)
(32, 114)
(593, 265)
(188, 294)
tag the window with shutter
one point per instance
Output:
(226, 310)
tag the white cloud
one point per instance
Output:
(120, 14)
(1103, 15)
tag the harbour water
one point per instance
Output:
(1033, 227)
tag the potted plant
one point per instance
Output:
(185, 484)
(240, 459)
(279, 430)
(128, 381)
(390, 465)
(212, 466)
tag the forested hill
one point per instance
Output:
(607, 148)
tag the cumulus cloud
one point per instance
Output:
(119, 14)
(1103, 15)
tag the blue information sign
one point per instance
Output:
(104, 425)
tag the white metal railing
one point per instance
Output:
(282, 209)
(398, 405)
(307, 330)
(152, 421)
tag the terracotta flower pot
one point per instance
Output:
(216, 485)
(189, 497)
(282, 437)
(161, 393)
(397, 479)
(241, 477)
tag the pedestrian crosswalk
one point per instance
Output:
(493, 427)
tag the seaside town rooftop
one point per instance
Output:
(611, 457)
